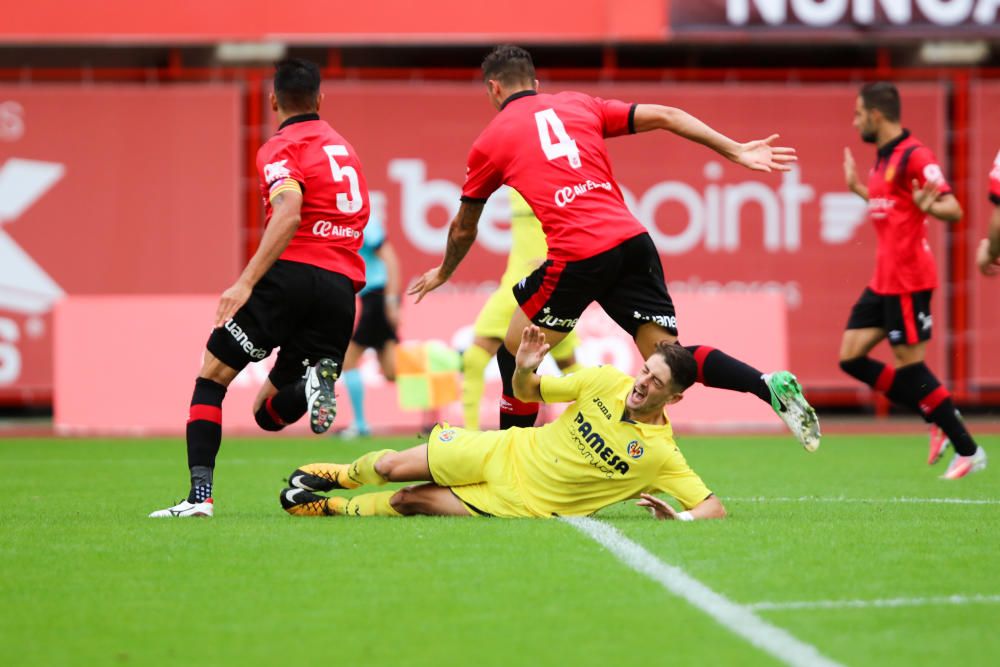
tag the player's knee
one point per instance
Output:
(387, 466)
(265, 421)
(389, 374)
(406, 502)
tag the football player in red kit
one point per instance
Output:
(298, 290)
(904, 187)
(551, 149)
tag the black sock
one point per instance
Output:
(204, 436)
(284, 408)
(512, 411)
(916, 387)
(718, 369)
(873, 373)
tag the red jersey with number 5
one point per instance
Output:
(995, 181)
(904, 261)
(335, 203)
(550, 148)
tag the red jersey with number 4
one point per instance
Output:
(550, 148)
(334, 193)
(995, 181)
(904, 261)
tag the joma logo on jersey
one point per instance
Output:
(244, 341)
(596, 443)
(275, 171)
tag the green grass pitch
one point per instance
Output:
(87, 579)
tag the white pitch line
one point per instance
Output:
(736, 618)
(820, 499)
(866, 604)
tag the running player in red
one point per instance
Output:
(988, 255)
(297, 291)
(551, 149)
(904, 187)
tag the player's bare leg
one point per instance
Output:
(512, 411)
(204, 437)
(374, 468)
(428, 499)
(387, 360)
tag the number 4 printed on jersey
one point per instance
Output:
(346, 203)
(547, 120)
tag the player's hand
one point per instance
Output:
(850, 170)
(760, 155)
(532, 350)
(924, 197)
(660, 509)
(988, 265)
(231, 301)
(428, 282)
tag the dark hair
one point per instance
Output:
(296, 84)
(683, 367)
(883, 96)
(510, 65)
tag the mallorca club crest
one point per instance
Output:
(446, 435)
(635, 449)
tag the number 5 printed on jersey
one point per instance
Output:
(346, 203)
(547, 120)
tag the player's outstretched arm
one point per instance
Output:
(759, 155)
(530, 353)
(286, 214)
(461, 236)
(709, 508)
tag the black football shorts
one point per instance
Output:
(306, 311)
(626, 280)
(374, 329)
(906, 318)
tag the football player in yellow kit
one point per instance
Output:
(614, 442)
(527, 251)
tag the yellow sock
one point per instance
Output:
(370, 504)
(572, 368)
(362, 470)
(474, 362)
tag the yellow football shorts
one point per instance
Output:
(494, 319)
(475, 465)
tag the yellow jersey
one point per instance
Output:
(590, 457)
(527, 242)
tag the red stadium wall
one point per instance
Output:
(984, 338)
(718, 226)
(110, 190)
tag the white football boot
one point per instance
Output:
(961, 466)
(788, 403)
(321, 404)
(185, 509)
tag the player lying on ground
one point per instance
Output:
(614, 442)
(296, 292)
(552, 150)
